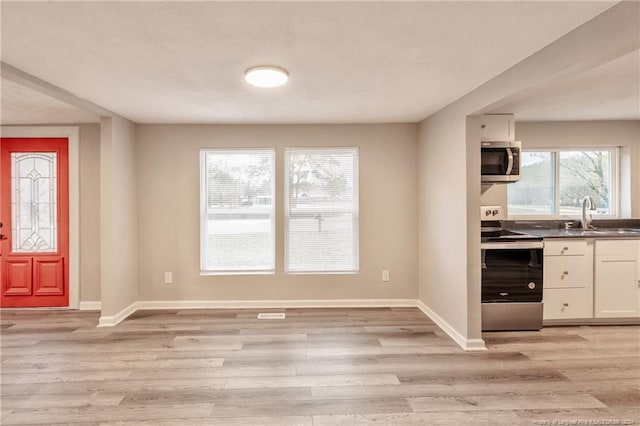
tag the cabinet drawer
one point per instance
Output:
(567, 271)
(565, 247)
(568, 303)
(617, 247)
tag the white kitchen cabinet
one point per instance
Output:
(617, 276)
(497, 127)
(568, 279)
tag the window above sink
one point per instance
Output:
(555, 181)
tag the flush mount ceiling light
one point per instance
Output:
(266, 76)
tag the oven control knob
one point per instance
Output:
(532, 285)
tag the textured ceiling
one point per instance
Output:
(608, 92)
(349, 61)
(21, 105)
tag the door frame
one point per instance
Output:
(73, 136)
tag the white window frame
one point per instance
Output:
(614, 189)
(355, 214)
(204, 216)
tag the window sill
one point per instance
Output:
(210, 273)
(322, 272)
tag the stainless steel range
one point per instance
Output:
(512, 265)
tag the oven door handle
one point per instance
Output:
(511, 246)
(509, 162)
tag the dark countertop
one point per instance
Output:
(605, 228)
(579, 233)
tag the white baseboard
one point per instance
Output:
(475, 345)
(110, 321)
(90, 306)
(274, 304)
(463, 342)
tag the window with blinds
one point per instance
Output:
(321, 210)
(237, 211)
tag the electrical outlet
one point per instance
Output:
(168, 277)
(385, 276)
(491, 213)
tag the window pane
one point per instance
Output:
(238, 210)
(534, 193)
(34, 226)
(582, 174)
(322, 210)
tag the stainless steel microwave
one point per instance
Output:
(500, 161)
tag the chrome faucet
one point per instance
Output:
(585, 222)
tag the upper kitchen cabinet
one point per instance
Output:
(497, 127)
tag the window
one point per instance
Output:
(321, 210)
(554, 182)
(237, 211)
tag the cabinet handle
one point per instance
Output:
(564, 305)
(564, 274)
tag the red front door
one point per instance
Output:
(34, 217)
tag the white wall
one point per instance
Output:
(449, 224)
(443, 218)
(169, 228)
(89, 212)
(118, 215)
(584, 134)
(474, 260)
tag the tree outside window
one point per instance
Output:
(584, 173)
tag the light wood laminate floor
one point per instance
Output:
(316, 367)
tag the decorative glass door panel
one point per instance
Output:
(34, 222)
(34, 202)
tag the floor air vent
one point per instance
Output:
(272, 315)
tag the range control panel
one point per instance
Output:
(491, 213)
